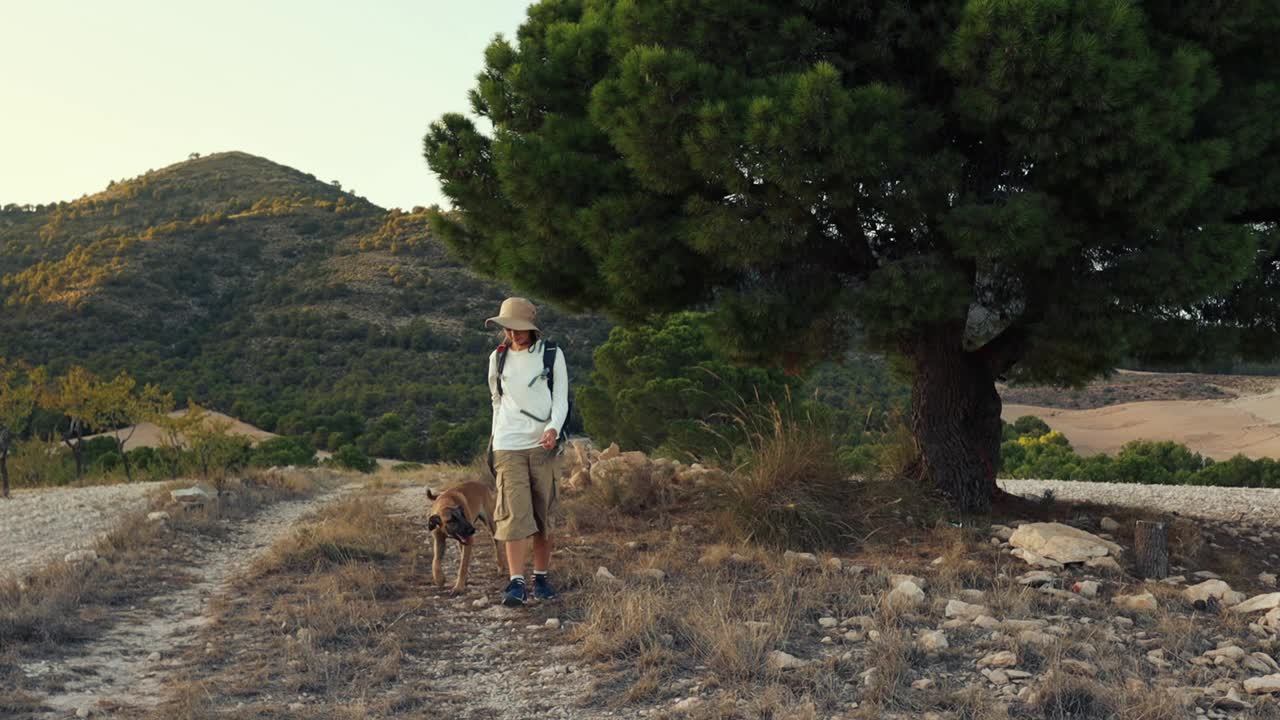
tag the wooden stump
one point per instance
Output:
(1151, 548)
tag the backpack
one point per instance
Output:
(549, 349)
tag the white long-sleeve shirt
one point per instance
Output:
(524, 387)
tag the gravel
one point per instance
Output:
(1255, 505)
(44, 524)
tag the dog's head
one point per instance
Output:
(449, 513)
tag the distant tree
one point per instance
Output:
(19, 398)
(979, 188)
(122, 410)
(194, 156)
(214, 449)
(77, 396)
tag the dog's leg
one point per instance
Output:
(463, 564)
(437, 572)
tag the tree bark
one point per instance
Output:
(124, 458)
(955, 414)
(4, 472)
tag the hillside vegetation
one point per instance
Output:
(267, 294)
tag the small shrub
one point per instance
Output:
(352, 458)
(282, 452)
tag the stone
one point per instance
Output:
(1267, 578)
(933, 641)
(1035, 637)
(827, 622)
(552, 623)
(193, 495)
(996, 677)
(603, 575)
(986, 622)
(1087, 588)
(1259, 603)
(1233, 652)
(971, 595)
(1061, 543)
(481, 603)
(1266, 661)
(79, 556)
(962, 609)
(1271, 620)
(833, 564)
(779, 660)
(1002, 532)
(687, 704)
(1106, 563)
(1213, 589)
(1267, 684)
(800, 559)
(1035, 560)
(158, 516)
(896, 580)
(1109, 525)
(83, 712)
(922, 684)
(905, 596)
(1002, 659)
(1144, 602)
(1036, 578)
(153, 657)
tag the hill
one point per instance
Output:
(269, 295)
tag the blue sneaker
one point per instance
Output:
(542, 588)
(514, 596)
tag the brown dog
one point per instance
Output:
(454, 514)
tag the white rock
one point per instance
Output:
(1109, 525)
(1036, 578)
(1106, 563)
(986, 622)
(1087, 588)
(1216, 589)
(922, 684)
(1002, 532)
(603, 575)
(1259, 603)
(1061, 543)
(1267, 578)
(905, 596)
(779, 660)
(834, 564)
(552, 623)
(898, 579)
(800, 559)
(962, 609)
(1265, 660)
(687, 704)
(1233, 652)
(1035, 637)
(971, 595)
(1141, 601)
(157, 516)
(1033, 559)
(1002, 659)
(1271, 619)
(78, 556)
(933, 641)
(1263, 685)
(828, 622)
(193, 495)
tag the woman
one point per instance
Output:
(529, 384)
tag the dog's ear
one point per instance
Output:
(431, 495)
(434, 522)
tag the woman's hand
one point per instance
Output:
(548, 441)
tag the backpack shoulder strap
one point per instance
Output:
(549, 362)
(502, 362)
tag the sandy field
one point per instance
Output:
(1249, 424)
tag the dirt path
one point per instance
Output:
(490, 661)
(44, 524)
(130, 662)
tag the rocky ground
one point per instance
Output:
(47, 523)
(1013, 621)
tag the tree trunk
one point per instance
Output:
(124, 458)
(955, 416)
(1151, 550)
(4, 472)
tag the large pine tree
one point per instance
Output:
(1034, 187)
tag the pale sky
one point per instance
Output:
(100, 91)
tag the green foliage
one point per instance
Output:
(351, 457)
(667, 386)
(283, 452)
(1037, 452)
(273, 297)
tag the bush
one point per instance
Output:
(282, 452)
(791, 491)
(352, 458)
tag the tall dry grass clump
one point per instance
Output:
(790, 490)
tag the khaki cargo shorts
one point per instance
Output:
(526, 492)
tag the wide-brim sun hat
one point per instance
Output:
(516, 313)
